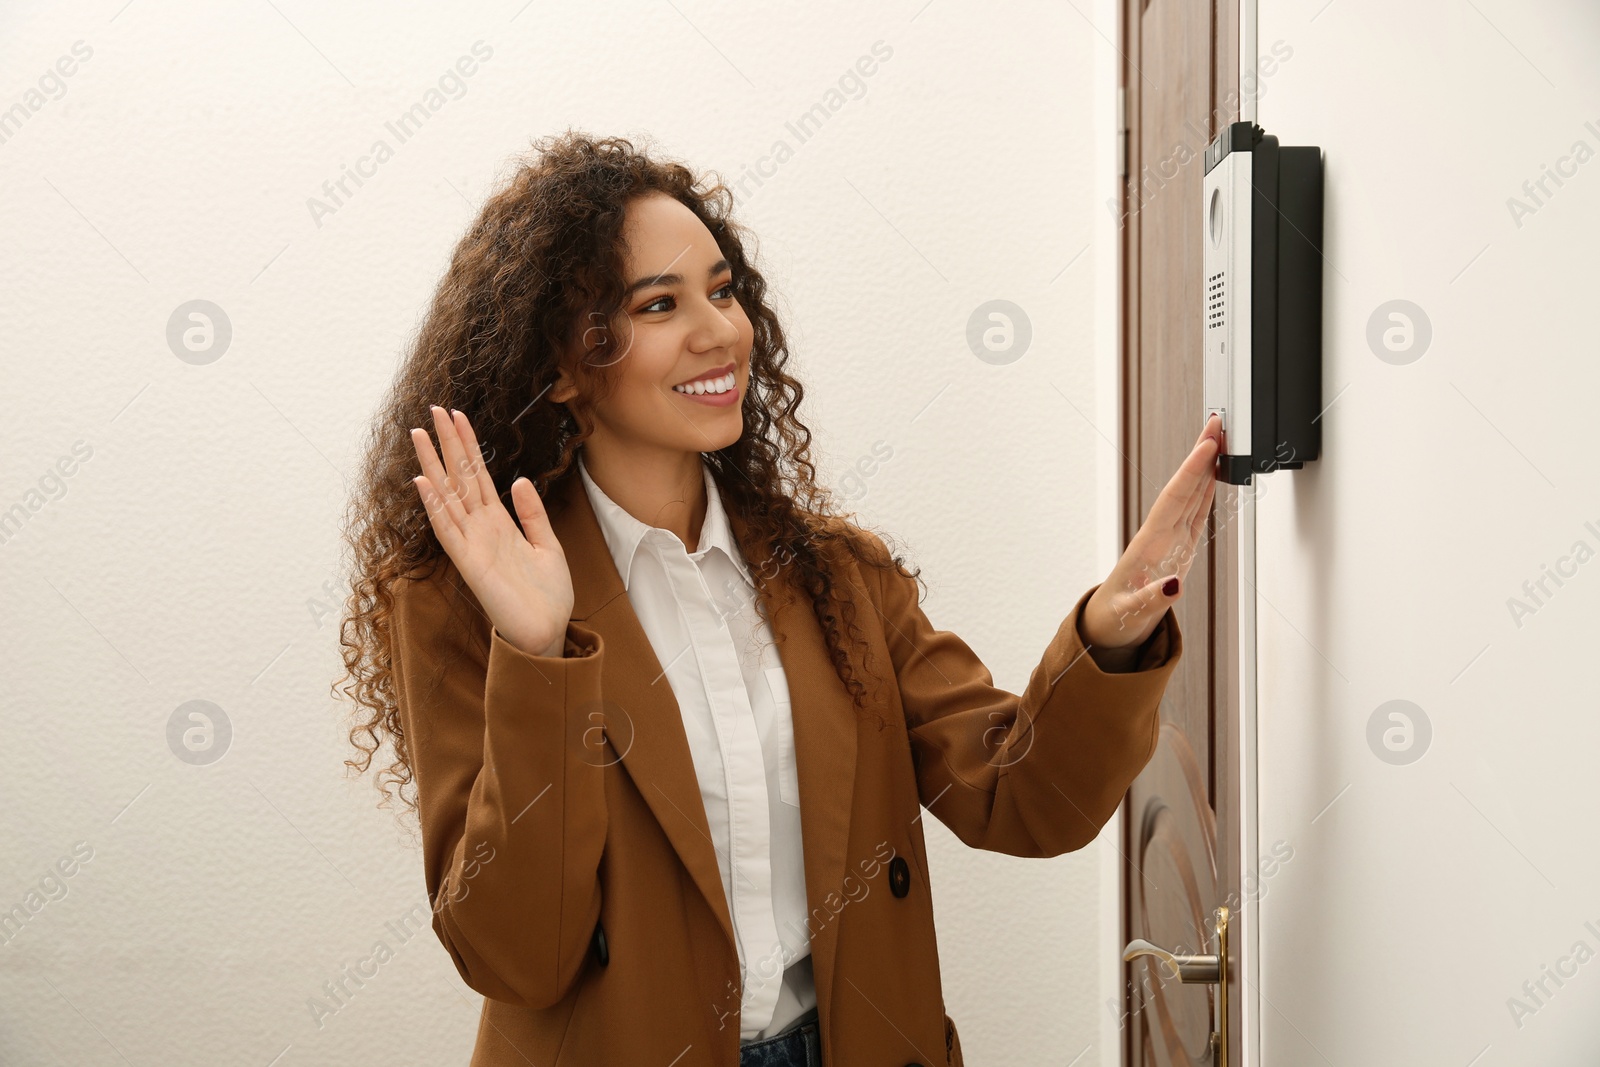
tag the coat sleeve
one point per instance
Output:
(1032, 775)
(513, 817)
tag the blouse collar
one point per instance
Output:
(624, 533)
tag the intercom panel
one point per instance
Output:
(1262, 235)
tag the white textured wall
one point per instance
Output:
(186, 551)
(1422, 895)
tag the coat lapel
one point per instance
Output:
(650, 739)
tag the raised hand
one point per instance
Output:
(520, 576)
(1148, 578)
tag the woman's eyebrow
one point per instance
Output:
(673, 279)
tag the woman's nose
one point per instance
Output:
(717, 328)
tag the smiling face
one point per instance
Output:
(680, 324)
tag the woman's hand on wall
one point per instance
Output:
(1148, 578)
(519, 576)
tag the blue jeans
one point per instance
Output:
(798, 1046)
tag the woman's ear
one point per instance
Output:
(564, 388)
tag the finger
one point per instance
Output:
(1151, 597)
(1198, 523)
(1200, 467)
(532, 515)
(1201, 500)
(1214, 429)
(469, 441)
(444, 525)
(1191, 506)
(434, 471)
(462, 485)
(1194, 523)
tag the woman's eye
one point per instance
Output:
(653, 306)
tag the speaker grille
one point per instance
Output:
(1216, 292)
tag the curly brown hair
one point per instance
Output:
(544, 257)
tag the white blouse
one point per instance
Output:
(699, 611)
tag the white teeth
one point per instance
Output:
(713, 386)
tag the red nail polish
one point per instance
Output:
(1170, 587)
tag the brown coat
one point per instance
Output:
(566, 847)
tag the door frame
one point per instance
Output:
(1230, 645)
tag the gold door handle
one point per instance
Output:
(1186, 968)
(1202, 968)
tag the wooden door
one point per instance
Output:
(1181, 818)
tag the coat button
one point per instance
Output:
(899, 877)
(602, 951)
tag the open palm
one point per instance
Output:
(520, 576)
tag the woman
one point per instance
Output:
(672, 727)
